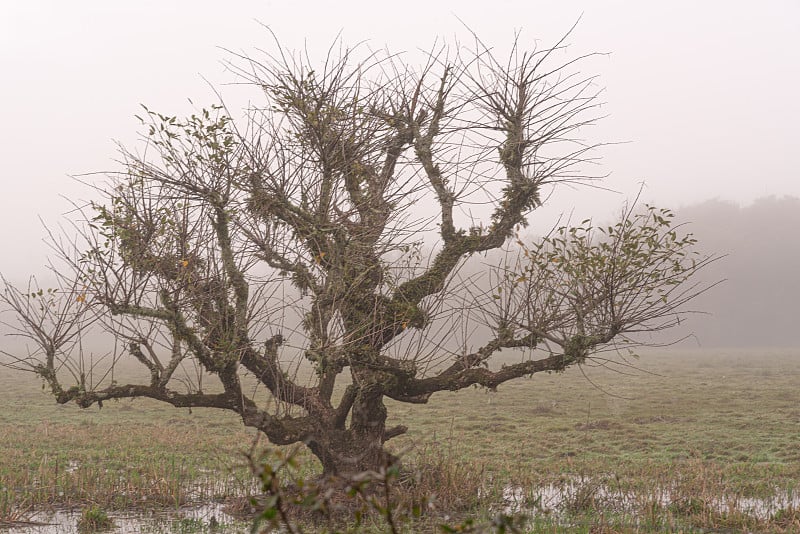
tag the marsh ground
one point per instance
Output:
(677, 441)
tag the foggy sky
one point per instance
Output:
(701, 96)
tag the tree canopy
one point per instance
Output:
(330, 224)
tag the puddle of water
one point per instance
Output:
(190, 519)
(543, 500)
(760, 508)
(554, 498)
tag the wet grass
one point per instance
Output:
(94, 519)
(701, 440)
(128, 456)
(732, 413)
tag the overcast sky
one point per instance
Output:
(704, 93)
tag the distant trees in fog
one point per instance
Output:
(758, 303)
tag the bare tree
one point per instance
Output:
(299, 231)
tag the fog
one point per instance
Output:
(757, 304)
(700, 103)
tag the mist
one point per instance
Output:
(756, 305)
(698, 103)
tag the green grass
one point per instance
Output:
(94, 519)
(698, 424)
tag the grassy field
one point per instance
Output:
(690, 441)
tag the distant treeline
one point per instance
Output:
(758, 304)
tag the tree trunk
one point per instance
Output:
(344, 455)
(359, 448)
